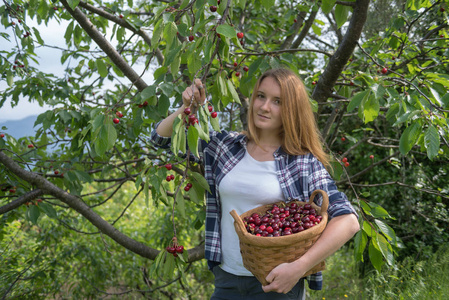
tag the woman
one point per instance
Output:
(280, 157)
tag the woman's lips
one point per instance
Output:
(263, 117)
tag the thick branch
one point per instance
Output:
(343, 53)
(20, 201)
(78, 205)
(98, 37)
(305, 29)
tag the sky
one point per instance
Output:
(49, 62)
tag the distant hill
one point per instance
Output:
(19, 128)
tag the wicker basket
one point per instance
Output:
(262, 254)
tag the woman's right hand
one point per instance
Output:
(198, 91)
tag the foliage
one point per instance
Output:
(381, 102)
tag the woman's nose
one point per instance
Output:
(266, 105)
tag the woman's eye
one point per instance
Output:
(278, 102)
(260, 96)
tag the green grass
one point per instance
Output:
(410, 279)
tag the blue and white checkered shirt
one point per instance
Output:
(299, 176)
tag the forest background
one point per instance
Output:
(86, 208)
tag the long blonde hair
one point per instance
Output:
(299, 134)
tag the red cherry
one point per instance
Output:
(235, 64)
(56, 172)
(442, 9)
(187, 111)
(39, 200)
(371, 156)
(240, 35)
(210, 108)
(441, 36)
(121, 16)
(213, 8)
(384, 70)
(189, 185)
(172, 177)
(30, 146)
(168, 166)
(313, 82)
(145, 103)
(13, 23)
(2, 135)
(116, 121)
(245, 68)
(344, 159)
(237, 74)
(191, 38)
(12, 191)
(295, 20)
(119, 114)
(192, 119)
(351, 83)
(168, 178)
(343, 139)
(214, 114)
(186, 188)
(55, 8)
(346, 164)
(180, 249)
(170, 249)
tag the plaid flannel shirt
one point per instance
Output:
(299, 176)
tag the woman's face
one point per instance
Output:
(267, 106)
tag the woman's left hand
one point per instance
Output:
(282, 278)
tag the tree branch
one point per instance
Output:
(338, 61)
(21, 200)
(115, 57)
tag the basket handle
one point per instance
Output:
(238, 220)
(325, 204)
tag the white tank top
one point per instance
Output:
(249, 184)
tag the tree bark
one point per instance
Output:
(338, 61)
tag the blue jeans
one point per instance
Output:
(232, 287)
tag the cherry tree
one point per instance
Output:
(380, 99)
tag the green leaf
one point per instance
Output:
(148, 92)
(360, 242)
(409, 137)
(106, 138)
(370, 108)
(192, 140)
(201, 180)
(327, 5)
(368, 229)
(226, 30)
(73, 3)
(102, 68)
(341, 14)
(177, 125)
(356, 100)
(386, 230)
(158, 28)
(232, 91)
(432, 142)
(33, 214)
(9, 78)
(215, 124)
(268, 4)
(385, 248)
(375, 255)
(48, 210)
